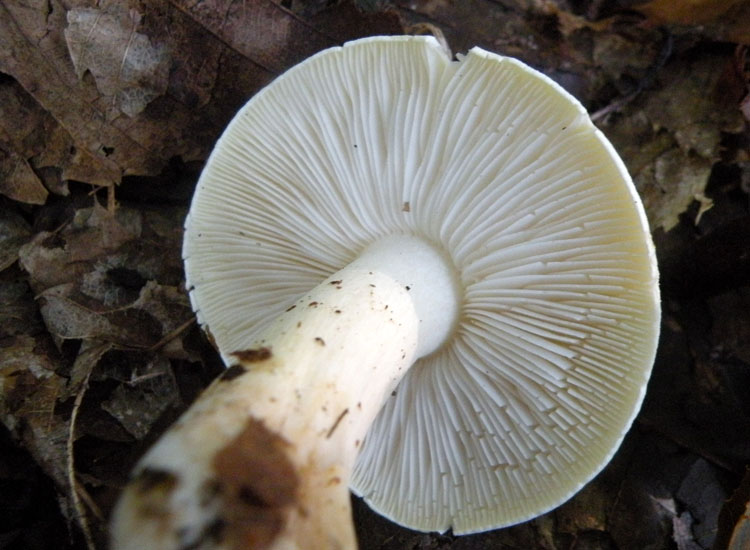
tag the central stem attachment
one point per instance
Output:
(264, 457)
(428, 275)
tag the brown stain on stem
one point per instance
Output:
(254, 355)
(259, 486)
(152, 489)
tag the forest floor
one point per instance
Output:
(99, 351)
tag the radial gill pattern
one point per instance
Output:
(501, 168)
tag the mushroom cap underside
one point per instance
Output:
(501, 169)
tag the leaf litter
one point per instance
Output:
(99, 348)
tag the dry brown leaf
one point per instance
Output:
(693, 104)
(19, 356)
(29, 388)
(671, 139)
(18, 116)
(260, 30)
(151, 391)
(96, 282)
(727, 20)
(71, 315)
(667, 178)
(501, 27)
(54, 258)
(34, 137)
(14, 232)
(671, 183)
(17, 180)
(587, 512)
(18, 312)
(135, 84)
(89, 355)
(589, 59)
(127, 67)
(275, 38)
(101, 281)
(569, 23)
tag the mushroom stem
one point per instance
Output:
(264, 457)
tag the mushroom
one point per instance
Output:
(432, 281)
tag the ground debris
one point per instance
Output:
(94, 317)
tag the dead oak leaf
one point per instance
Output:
(693, 103)
(727, 20)
(18, 312)
(17, 180)
(274, 37)
(671, 137)
(94, 279)
(134, 89)
(31, 137)
(125, 63)
(138, 404)
(69, 313)
(53, 258)
(29, 389)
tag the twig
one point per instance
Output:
(172, 335)
(72, 481)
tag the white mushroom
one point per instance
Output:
(432, 280)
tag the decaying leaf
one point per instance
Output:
(639, 519)
(111, 304)
(135, 84)
(29, 388)
(727, 20)
(95, 282)
(19, 115)
(26, 353)
(150, 391)
(70, 314)
(126, 65)
(671, 139)
(585, 513)
(47, 151)
(701, 492)
(695, 105)
(89, 354)
(96, 333)
(53, 258)
(14, 232)
(501, 27)
(17, 180)
(682, 532)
